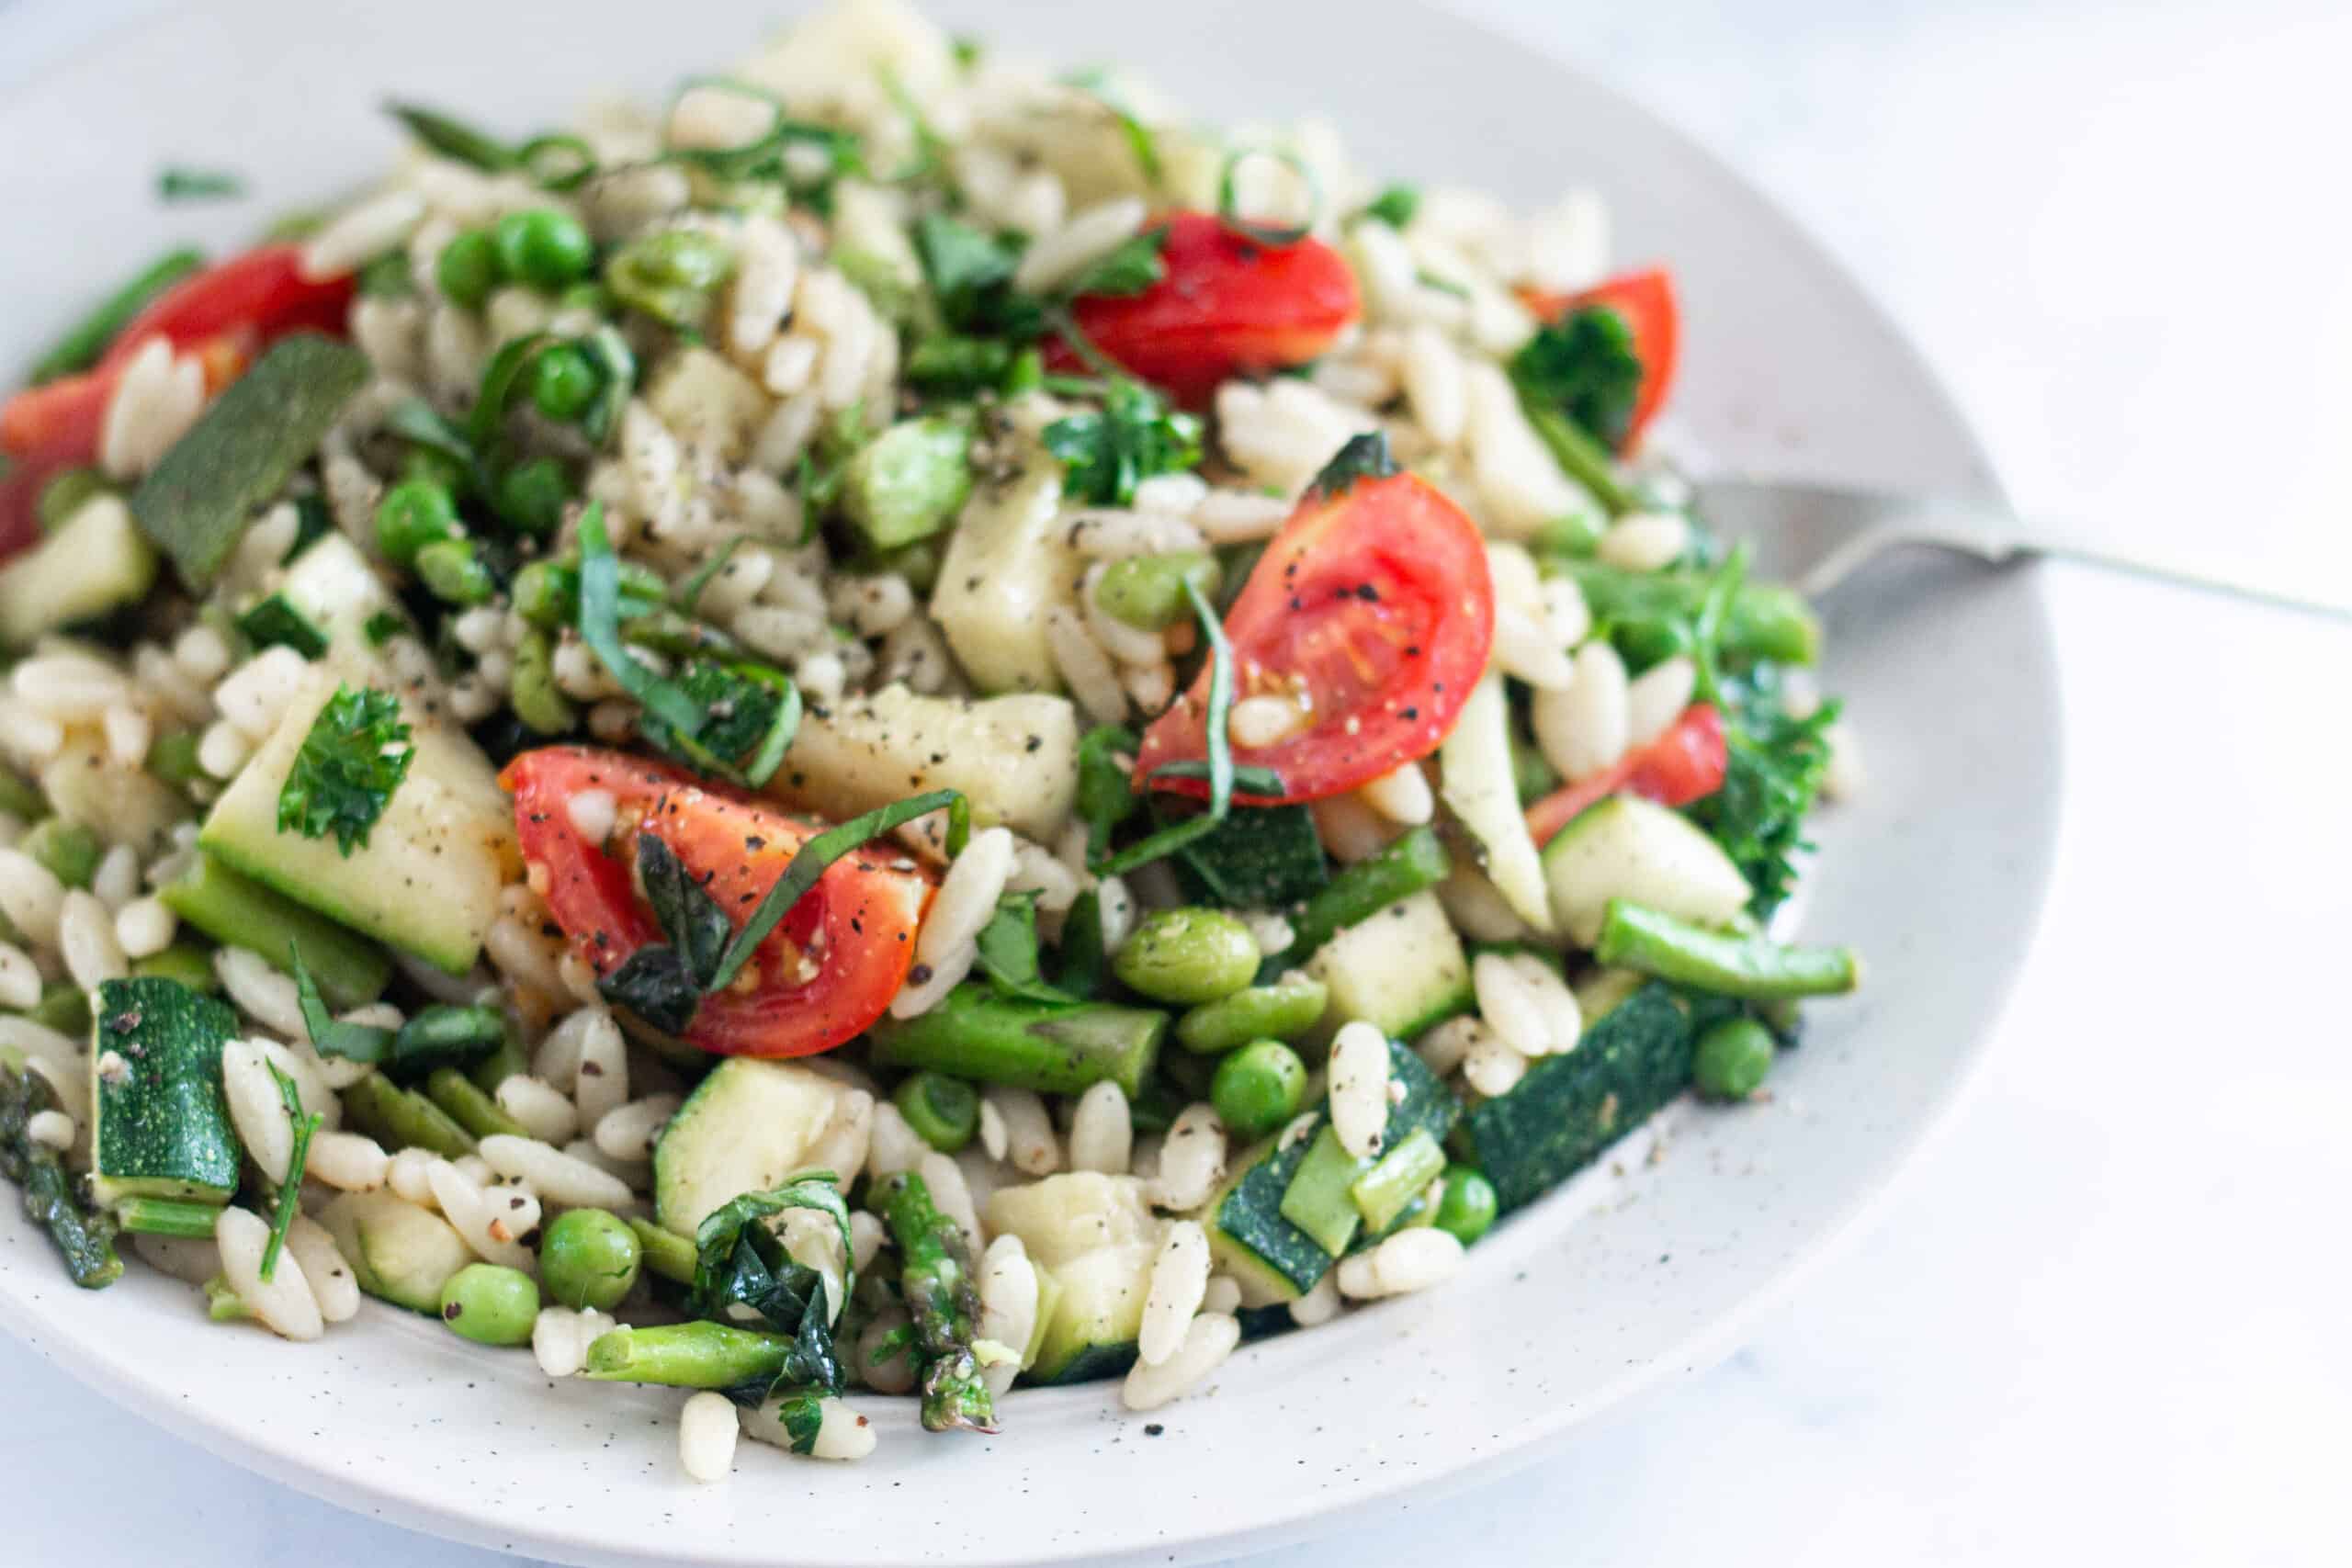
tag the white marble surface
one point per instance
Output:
(2101, 1321)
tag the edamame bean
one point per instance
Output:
(589, 1259)
(1149, 591)
(453, 574)
(412, 514)
(490, 1304)
(531, 690)
(563, 383)
(1188, 955)
(1469, 1206)
(1258, 1088)
(1732, 1059)
(468, 269)
(1284, 1011)
(544, 248)
(532, 494)
(943, 1111)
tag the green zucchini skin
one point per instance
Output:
(1249, 1218)
(1569, 1108)
(162, 1120)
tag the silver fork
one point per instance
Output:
(1816, 535)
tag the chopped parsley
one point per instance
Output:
(1131, 267)
(354, 758)
(1366, 456)
(198, 184)
(1107, 452)
(290, 1191)
(1396, 205)
(1584, 365)
(1772, 775)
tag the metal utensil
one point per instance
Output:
(1816, 535)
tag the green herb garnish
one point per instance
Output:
(1366, 456)
(1394, 206)
(1107, 452)
(664, 982)
(453, 137)
(198, 184)
(1218, 767)
(1130, 267)
(1584, 364)
(355, 755)
(290, 1191)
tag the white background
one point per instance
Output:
(2103, 1318)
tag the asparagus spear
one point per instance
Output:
(1413, 862)
(85, 1239)
(1754, 968)
(400, 1118)
(691, 1355)
(167, 1216)
(1057, 1047)
(940, 1295)
(464, 1102)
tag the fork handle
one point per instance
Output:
(1996, 537)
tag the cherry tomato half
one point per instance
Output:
(1684, 764)
(1646, 300)
(828, 970)
(1375, 607)
(225, 315)
(1229, 306)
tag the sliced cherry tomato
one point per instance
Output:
(1376, 608)
(1229, 306)
(249, 299)
(828, 970)
(1646, 300)
(225, 315)
(1684, 764)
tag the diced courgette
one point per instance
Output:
(1015, 757)
(1098, 1316)
(95, 562)
(398, 1252)
(160, 1125)
(746, 1127)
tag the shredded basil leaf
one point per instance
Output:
(560, 162)
(1366, 456)
(813, 859)
(198, 184)
(1228, 209)
(763, 156)
(1130, 267)
(453, 137)
(600, 629)
(1008, 950)
(290, 1191)
(1219, 743)
(345, 1042)
(1394, 206)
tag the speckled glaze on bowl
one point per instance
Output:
(1643, 1268)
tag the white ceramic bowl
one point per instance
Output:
(1643, 1268)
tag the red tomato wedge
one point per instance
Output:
(1229, 306)
(249, 299)
(225, 315)
(828, 970)
(1646, 300)
(1684, 764)
(1375, 607)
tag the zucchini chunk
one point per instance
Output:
(160, 1120)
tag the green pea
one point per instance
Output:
(490, 1304)
(452, 573)
(66, 493)
(943, 1111)
(1149, 591)
(563, 383)
(412, 514)
(545, 248)
(468, 268)
(1258, 1088)
(533, 493)
(1578, 534)
(1732, 1059)
(434, 467)
(531, 690)
(588, 1259)
(1469, 1206)
(186, 961)
(1284, 1011)
(1188, 955)
(546, 593)
(69, 849)
(670, 276)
